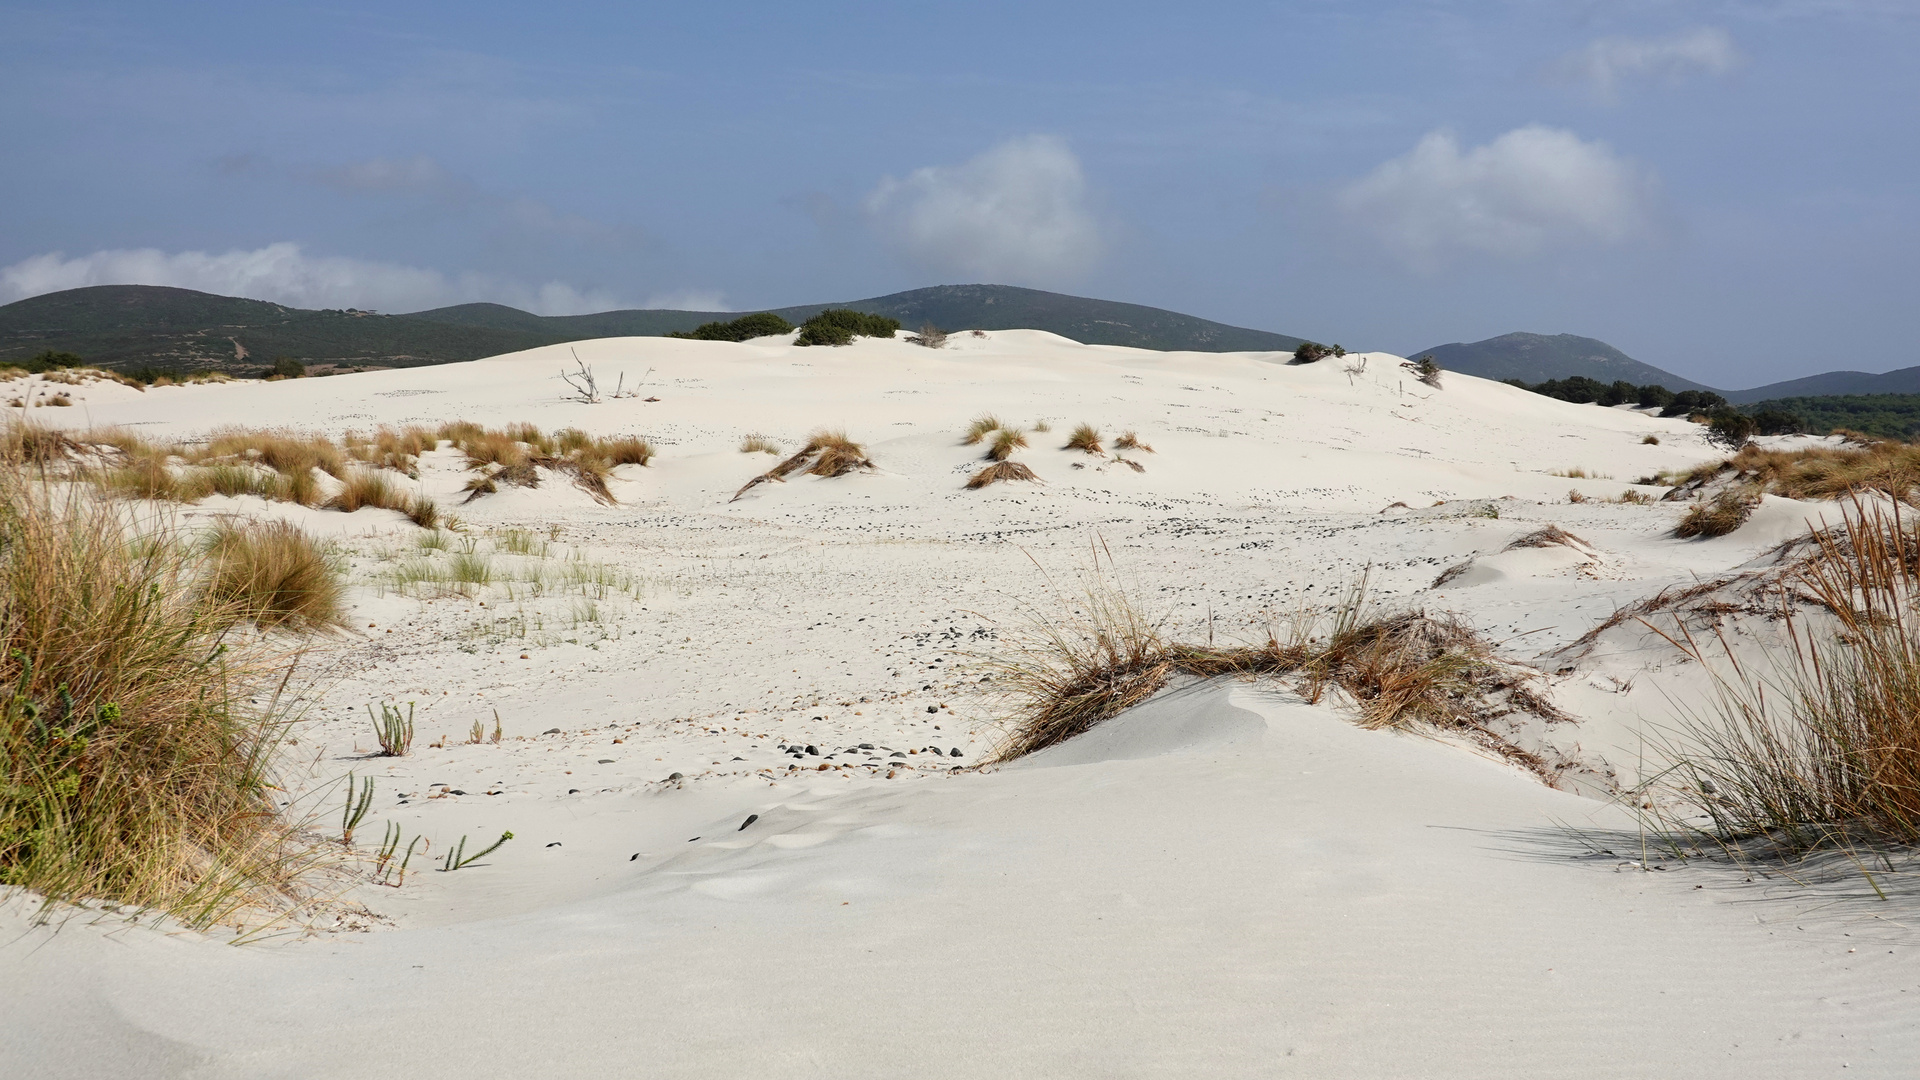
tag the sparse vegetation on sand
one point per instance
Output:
(758, 444)
(1005, 442)
(1820, 472)
(1399, 667)
(1085, 438)
(513, 457)
(139, 725)
(827, 454)
(1001, 470)
(1130, 441)
(1719, 515)
(983, 425)
(930, 336)
(1426, 369)
(1824, 748)
(1312, 352)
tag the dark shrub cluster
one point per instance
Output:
(1310, 352)
(746, 327)
(47, 361)
(839, 326)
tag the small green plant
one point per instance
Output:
(458, 857)
(358, 803)
(476, 734)
(1426, 370)
(394, 730)
(497, 732)
(384, 872)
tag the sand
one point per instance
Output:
(1225, 881)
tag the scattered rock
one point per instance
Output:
(933, 708)
(675, 776)
(955, 752)
(556, 843)
(551, 731)
(751, 818)
(573, 791)
(812, 749)
(605, 761)
(456, 791)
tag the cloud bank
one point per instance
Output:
(1608, 63)
(1530, 191)
(1015, 214)
(284, 274)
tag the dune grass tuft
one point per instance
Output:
(983, 425)
(1005, 442)
(1001, 470)
(827, 453)
(274, 575)
(1824, 748)
(1718, 516)
(1085, 438)
(138, 729)
(759, 444)
(1131, 441)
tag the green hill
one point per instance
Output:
(950, 307)
(1895, 416)
(1537, 358)
(148, 326)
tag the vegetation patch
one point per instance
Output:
(1001, 470)
(140, 724)
(827, 454)
(839, 326)
(744, 328)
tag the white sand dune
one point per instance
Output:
(1225, 881)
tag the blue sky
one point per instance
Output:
(1726, 190)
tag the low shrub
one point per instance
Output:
(1312, 352)
(839, 326)
(999, 471)
(744, 328)
(1005, 442)
(1730, 429)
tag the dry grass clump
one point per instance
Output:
(1005, 442)
(1085, 438)
(1637, 498)
(134, 760)
(827, 454)
(983, 425)
(1001, 470)
(759, 444)
(512, 456)
(1818, 472)
(1649, 440)
(1719, 515)
(32, 444)
(59, 401)
(1399, 668)
(1131, 441)
(274, 575)
(1825, 748)
(398, 449)
(1548, 537)
(287, 453)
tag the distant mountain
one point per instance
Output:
(1851, 383)
(140, 326)
(1536, 358)
(950, 307)
(151, 326)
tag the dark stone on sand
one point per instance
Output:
(955, 752)
(556, 843)
(456, 791)
(675, 776)
(812, 749)
(751, 818)
(551, 731)
(933, 708)
(605, 761)
(573, 791)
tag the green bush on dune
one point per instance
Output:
(839, 326)
(744, 328)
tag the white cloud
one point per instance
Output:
(1526, 192)
(1015, 214)
(284, 274)
(687, 300)
(1610, 62)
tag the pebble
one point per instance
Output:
(605, 761)
(751, 818)
(556, 843)
(675, 776)
(551, 731)
(573, 791)
(955, 752)
(933, 708)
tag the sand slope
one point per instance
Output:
(1225, 882)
